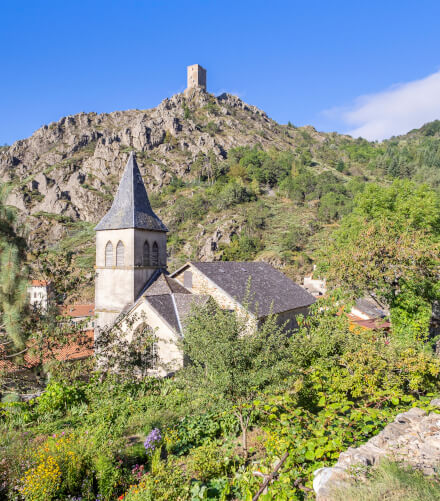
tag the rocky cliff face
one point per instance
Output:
(72, 167)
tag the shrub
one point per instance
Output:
(168, 481)
(71, 465)
(206, 462)
(42, 482)
(192, 431)
(294, 239)
(233, 193)
(59, 397)
(243, 248)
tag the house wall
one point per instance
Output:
(38, 296)
(117, 287)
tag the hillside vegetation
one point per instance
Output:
(256, 189)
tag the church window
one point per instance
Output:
(145, 348)
(120, 254)
(146, 254)
(155, 255)
(188, 279)
(109, 254)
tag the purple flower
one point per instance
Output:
(152, 440)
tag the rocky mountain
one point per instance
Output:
(68, 171)
(72, 167)
(63, 178)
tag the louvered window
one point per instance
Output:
(155, 255)
(146, 254)
(120, 254)
(109, 254)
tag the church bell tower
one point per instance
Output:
(131, 244)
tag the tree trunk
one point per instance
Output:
(244, 441)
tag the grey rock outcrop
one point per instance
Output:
(72, 167)
(413, 438)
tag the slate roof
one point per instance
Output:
(170, 299)
(164, 284)
(370, 308)
(131, 207)
(270, 290)
(164, 305)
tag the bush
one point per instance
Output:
(71, 465)
(243, 248)
(294, 239)
(59, 397)
(192, 431)
(206, 462)
(42, 482)
(233, 193)
(167, 482)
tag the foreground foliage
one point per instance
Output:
(168, 439)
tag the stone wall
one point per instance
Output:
(413, 438)
(196, 76)
(202, 285)
(116, 287)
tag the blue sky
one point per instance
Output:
(370, 68)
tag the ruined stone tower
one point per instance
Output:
(196, 76)
(131, 244)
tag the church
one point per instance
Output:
(132, 280)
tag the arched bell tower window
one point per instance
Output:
(109, 254)
(155, 255)
(146, 254)
(120, 254)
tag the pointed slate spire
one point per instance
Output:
(131, 207)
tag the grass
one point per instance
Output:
(392, 482)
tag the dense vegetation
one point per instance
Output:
(181, 438)
(243, 401)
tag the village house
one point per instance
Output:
(134, 291)
(39, 294)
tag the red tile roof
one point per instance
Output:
(39, 283)
(79, 310)
(81, 348)
(372, 323)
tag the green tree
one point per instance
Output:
(232, 359)
(13, 277)
(388, 248)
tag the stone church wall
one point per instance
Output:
(170, 356)
(202, 285)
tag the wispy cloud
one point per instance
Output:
(393, 111)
